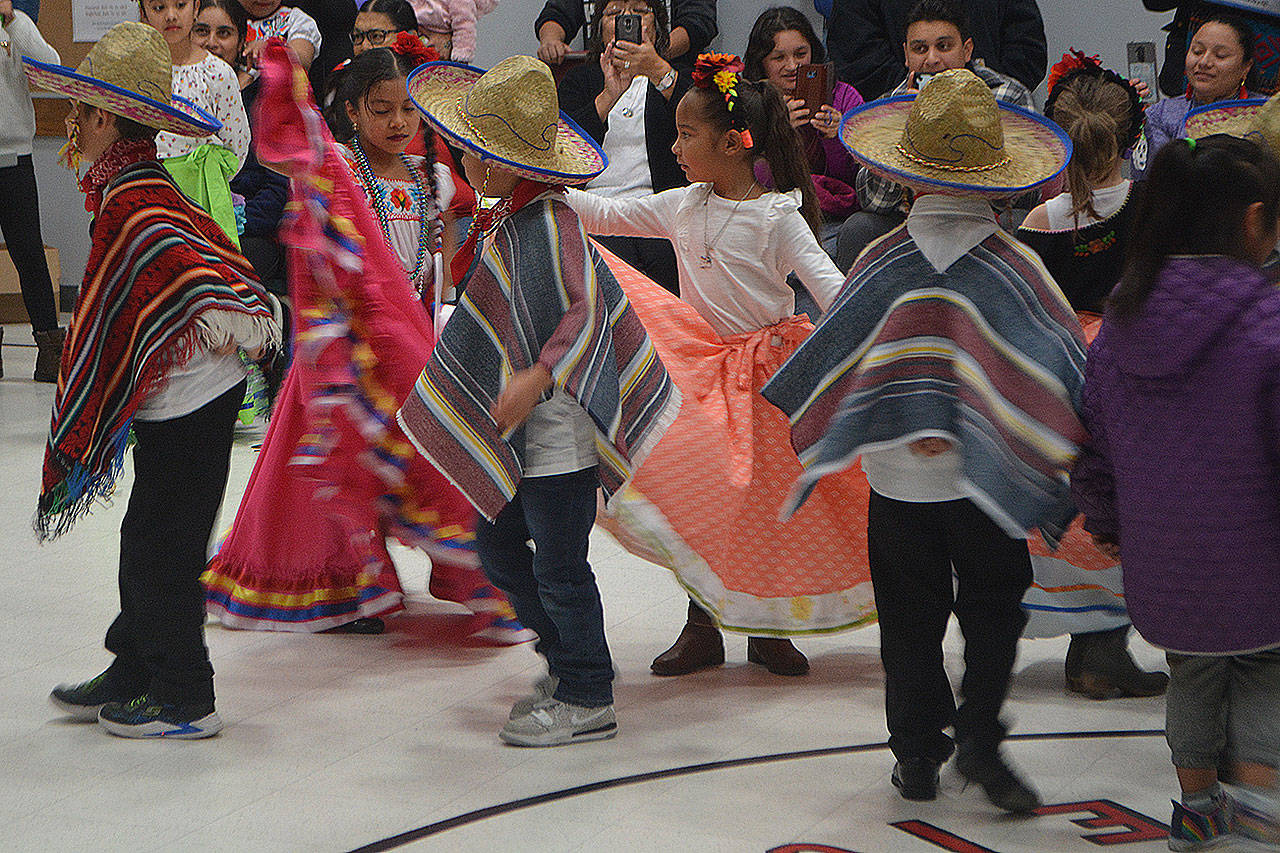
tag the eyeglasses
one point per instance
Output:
(375, 37)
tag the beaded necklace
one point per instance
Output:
(419, 193)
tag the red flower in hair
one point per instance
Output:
(408, 44)
(710, 64)
(1073, 61)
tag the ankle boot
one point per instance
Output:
(699, 646)
(1099, 666)
(49, 356)
(778, 655)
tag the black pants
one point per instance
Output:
(20, 225)
(913, 548)
(180, 474)
(652, 256)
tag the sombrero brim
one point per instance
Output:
(1038, 151)
(1233, 117)
(438, 88)
(183, 118)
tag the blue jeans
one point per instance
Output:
(551, 586)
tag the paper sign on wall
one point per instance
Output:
(90, 19)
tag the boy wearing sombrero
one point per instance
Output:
(151, 354)
(952, 364)
(543, 386)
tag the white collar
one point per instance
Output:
(945, 227)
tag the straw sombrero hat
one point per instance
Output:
(1234, 118)
(129, 73)
(509, 115)
(955, 138)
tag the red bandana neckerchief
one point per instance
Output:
(487, 219)
(121, 153)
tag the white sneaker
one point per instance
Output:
(543, 689)
(555, 723)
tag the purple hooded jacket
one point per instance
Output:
(1182, 404)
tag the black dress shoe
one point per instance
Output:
(1002, 786)
(363, 625)
(916, 778)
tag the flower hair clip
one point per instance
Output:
(1073, 60)
(721, 71)
(408, 44)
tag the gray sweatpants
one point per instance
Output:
(1223, 709)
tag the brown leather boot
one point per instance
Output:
(778, 655)
(699, 646)
(50, 354)
(1099, 665)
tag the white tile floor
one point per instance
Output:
(335, 742)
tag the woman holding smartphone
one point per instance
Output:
(625, 98)
(783, 49)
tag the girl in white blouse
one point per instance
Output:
(735, 245)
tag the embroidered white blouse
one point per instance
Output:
(212, 86)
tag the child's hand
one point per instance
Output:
(929, 446)
(1109, 549)
(252, 51)
(523, 392)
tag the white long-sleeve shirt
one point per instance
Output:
(752, 250)
(211, 85)
(17, 116)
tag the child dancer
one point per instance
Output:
(202, 167)
(1080, 235)
(951, 364)
(715, 485)
(306, 555)
(544, 387)
(166, 302)
(1182, 400)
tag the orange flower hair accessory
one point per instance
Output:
(408, 44)
(1074, 60)
(720, 71)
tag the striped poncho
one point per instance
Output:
(987, 354)
(162, 283)
(540, 293)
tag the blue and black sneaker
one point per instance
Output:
(146, 717)
(83, 701)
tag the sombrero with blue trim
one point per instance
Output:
(508, 115)
(1235, 118)
(955, 138)
(129, 73)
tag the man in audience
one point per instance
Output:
(693, 26)
(863, 38)
(937, 39)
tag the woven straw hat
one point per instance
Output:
(509, 115)
(954, 138)
(128, 73)
(1235, 118)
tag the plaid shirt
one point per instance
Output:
(881, 195)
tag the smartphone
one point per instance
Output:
(626, 27)
(1142, 66)
(814, 85)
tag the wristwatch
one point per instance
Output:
(668, 80)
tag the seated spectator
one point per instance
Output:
(781, 41)
(334, 19)
(937, 38)
(378, 22)
(450, 25)
(222, 28)
(693, 26)
(1219, 64)
(625, 99)
(1190, 16)
(862, 38)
